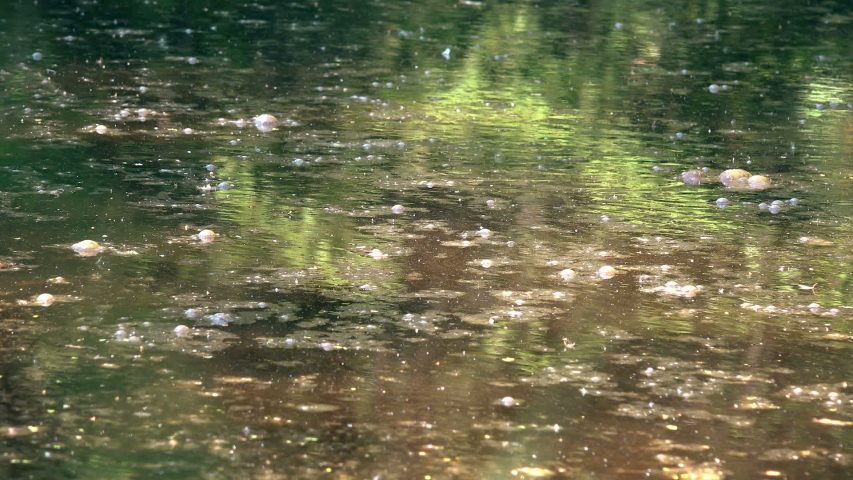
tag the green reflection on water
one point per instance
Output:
(442, 340)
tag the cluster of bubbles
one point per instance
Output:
(813, 308)
(606, 272)
(673, 288)
(774, 207)
(734, 178)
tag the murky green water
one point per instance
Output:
(405, 278)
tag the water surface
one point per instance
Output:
(464, 249)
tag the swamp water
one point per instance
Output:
(430, 240)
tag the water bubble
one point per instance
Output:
(833, 104)
(700, 21)
(490, 203)
(734, 177)
(192, 312)
(763, 206)
(793, 201)
(777, 203)
(618, 26)
(377, 254)
(689, 291)
(714, 88)
(722, 202)
(265, 122)
(188, 131)
(694, 177)
(507, 401)
(567, 274)
(210, 167)
(206, 236)
(87, 248)
(182, 330)
(607, 272)
(484, 232)
(225, 186)
(679, 135)
(819, 106)
(100, 129)
(37, 56)
(45, 300)
(446, 53)
(192, 61)
(684, 72)
(298, 162)
(774, 209)
(397, 209)
(220, 319)
(821, 58)
(120, 334)
(486, 263)
(758, 182)
(143, 89)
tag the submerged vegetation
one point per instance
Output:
(425, 240)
